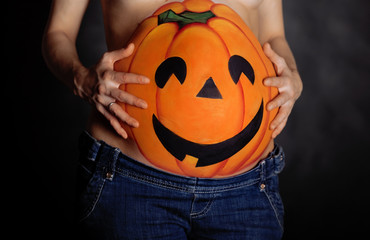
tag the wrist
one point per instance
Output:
(80, 73)
(298, 83)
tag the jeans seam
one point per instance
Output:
(146, 179)
(204, 211)
(94, 201)
(168, 185)
(272, 204)
(230, 188)
(85, 168)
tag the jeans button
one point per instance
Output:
(109, 175)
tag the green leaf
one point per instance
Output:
(184, 18)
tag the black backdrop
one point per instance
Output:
(325, 183)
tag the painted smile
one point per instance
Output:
(207, 154)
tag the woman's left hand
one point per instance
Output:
(290, 86)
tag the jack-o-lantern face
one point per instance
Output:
(206, 102)
(207, 154)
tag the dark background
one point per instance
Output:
(325, 185)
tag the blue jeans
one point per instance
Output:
(120, 198)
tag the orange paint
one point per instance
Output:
(207, 108)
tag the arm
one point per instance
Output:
(288, 80)
(58, 46)
(98, 84)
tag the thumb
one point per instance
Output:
(277, 60)
(118, 54)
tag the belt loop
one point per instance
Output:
(263, 175)
(111, 168)
(279, 161)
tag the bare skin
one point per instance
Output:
(99, 84)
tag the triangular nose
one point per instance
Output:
(209, 90)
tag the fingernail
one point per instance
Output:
(143, 104)
(145, 80)
(124, 135)
(135, 124)
(130, 45)
(269, 107)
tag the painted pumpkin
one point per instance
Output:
(206, 112)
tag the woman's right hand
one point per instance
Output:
(100, 86)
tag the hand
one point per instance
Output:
(100, 86)
(288, 83)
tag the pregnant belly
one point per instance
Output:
(206, 114)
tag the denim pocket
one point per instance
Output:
(271, 190)
(89, 187)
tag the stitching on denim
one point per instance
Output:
(231, 187)
(89, 210)
(110, 168)
(84, 168)
(192, 204)
(169, 185)
(91, 159)
(272, 204)
(147, 179)
(204, 211)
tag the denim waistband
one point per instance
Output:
(113, 161)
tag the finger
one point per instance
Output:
(278, 61)
(275, 82)
(123, 116)
(116, 110)
(282, 116)
(128, 98)
(113, 121)
(108, 107)
(279, 129)
(278, 101)
(115, 55)
(103, 98)
(118, 54)
(124, 78)
(113, 112)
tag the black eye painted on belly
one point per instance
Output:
(172, 65)
(237, 66)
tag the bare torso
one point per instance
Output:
(121, 17)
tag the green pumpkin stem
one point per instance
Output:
(184, 18)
